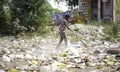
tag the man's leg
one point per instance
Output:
(65, 39)
(60, 41)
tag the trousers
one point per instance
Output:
(63, 36)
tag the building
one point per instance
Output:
(98, 10)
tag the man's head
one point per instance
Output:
(67, 16)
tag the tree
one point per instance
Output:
(4, 16)
(24, 16)
(18, 16)
(28, 15)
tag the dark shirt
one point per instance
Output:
(62, 25)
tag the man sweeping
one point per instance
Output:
(62, 31)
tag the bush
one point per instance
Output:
(23, 16)
(111, 31)
(115, 29)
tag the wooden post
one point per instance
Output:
(99, 10)
(90, 10)
(114, 10)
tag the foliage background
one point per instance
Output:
(118, 10)
(25, 16)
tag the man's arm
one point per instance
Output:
(69, 28)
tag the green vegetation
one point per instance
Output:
(76, 29)
(112, 31)
(118, 10)
(25, 16)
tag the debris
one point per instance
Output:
(64, 54)
(14, 70)
(2, 71)
(6, 59)
(38, 54)
(113, 51)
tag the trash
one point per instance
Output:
(23, 67)
(20, 56)
(88, 54)
(12, 56)
(99, 66)
(105, 43)
(6, 59)
(94, 71)
(113, 51)
(48, 69)
(64, 54)
(28, 56)
(4, 51)
(92, 64)
(62, 65)
(34, 62)
(59, 64)
(76, 45)
(117, 57)
(86, 59)
(81, 65)
(97, 51)
(33, 49)
(2, 71)
(23, 71)
(77, 60)
(14, 70)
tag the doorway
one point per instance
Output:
(95, 10)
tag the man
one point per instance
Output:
(62, 28)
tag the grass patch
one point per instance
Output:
(111, 29)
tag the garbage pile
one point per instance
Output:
(38, 54)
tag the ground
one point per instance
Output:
(87, 52)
